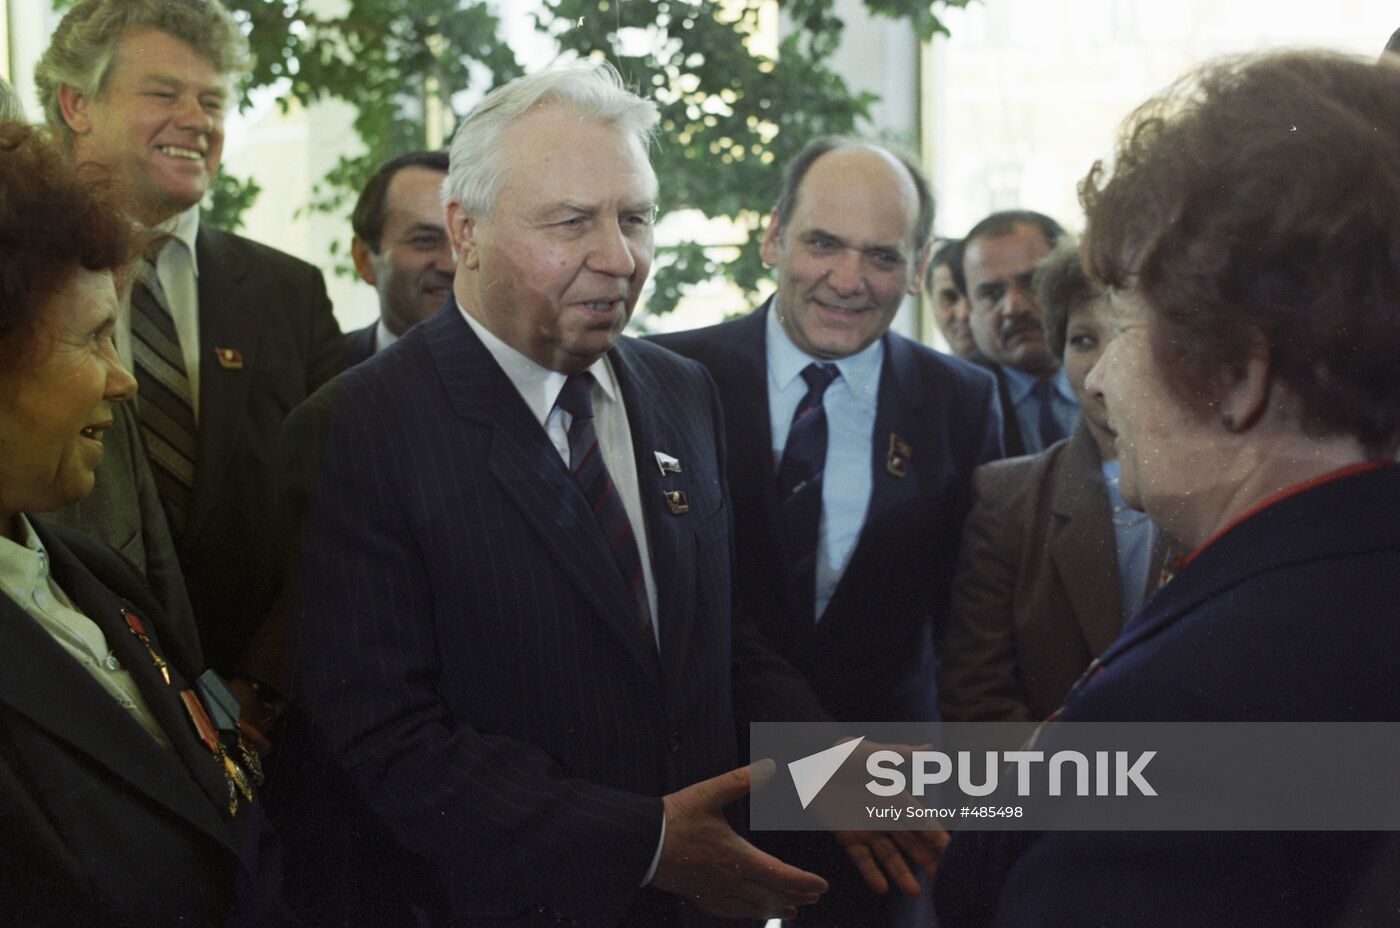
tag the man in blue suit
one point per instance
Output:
(515, 659)
(846, 541)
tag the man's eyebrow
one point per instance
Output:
(893, 248)
(560, 207)
(817, 232)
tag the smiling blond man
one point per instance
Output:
(225, 336)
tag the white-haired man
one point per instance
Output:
(515, 654)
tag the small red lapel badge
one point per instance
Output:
(897, 461)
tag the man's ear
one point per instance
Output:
(1244, 386)
(74, 106)
(772, 245)
(363, 258)
(916, 283)
(462, 228)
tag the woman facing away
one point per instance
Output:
(1249, 235)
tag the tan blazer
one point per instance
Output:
(1036, 595)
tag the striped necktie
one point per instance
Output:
(800, 484)
(164, 402)
(591, 474)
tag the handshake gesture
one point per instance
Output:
(706, 861)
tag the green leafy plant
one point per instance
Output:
(731, 114)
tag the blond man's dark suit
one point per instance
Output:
(267, 340)
(1036, 596)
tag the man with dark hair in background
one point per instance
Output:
(999, 254)
(949, 303)
(225, 335)
(400, 248)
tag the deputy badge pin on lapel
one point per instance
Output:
(675, 501)
(897, 461)
(230, 359)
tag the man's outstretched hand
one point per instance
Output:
(704, 860)
(882, 856)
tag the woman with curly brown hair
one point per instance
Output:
(123, 789)
(1249, 233)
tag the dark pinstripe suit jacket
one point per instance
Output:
(482, 731)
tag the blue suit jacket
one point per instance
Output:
(871, 657)
(1290, 616)
(478, 708)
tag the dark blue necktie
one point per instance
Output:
(1050, 431)
(800, 484)
(591, 474)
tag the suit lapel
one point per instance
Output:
(1082, 542)
(88, 718)
(671, 539)
(531, 474)
(224, 322)
(742, 376)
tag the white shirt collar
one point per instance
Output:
(537, 385)
(184, 228)
(23, 563)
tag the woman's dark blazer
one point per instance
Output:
(98, 824)
(1036, 596)
(1290, 616)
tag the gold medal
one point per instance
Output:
(237, 777)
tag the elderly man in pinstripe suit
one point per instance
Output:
(515, 657)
